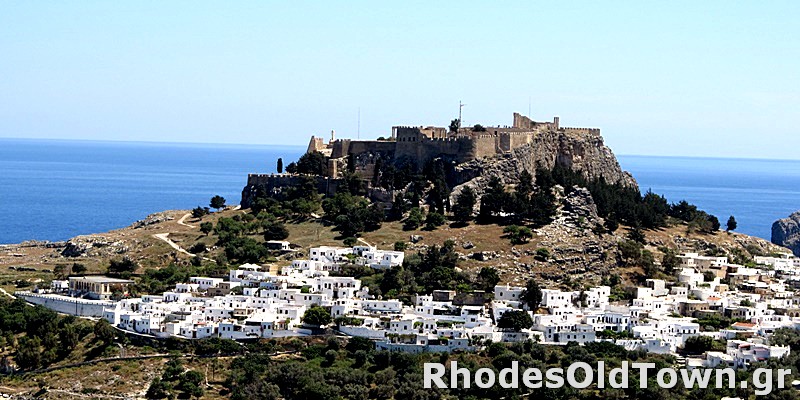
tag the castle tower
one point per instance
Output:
(315, 144)
(556, 122)
(333, 135)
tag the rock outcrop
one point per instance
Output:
(583, 153)
(786, 232)
(153, 219)
(586, 154)
(92, 246)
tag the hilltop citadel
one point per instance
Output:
(421, 144)
(471, 152)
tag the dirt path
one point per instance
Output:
(183, 219)
(167, 240)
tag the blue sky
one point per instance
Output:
(666, 78)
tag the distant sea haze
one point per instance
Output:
(57, 189)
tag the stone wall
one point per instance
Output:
(275, 183)
(67, 305)
(424, 149)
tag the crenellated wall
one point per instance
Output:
(581, 131)
(275, 183)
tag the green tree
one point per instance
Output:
(217, 202)
(400, 245)
(434, 220)
(124, 267)
(522, 195)
(531, 295)
(455, 124)
(274, 230)
(29, 353)
(158, 389)
(78, 268)
(199, 212)
(104, 332)
(635, 234)
(670, 262)
(206, 227)
(542, 254)
(488, 278)
(189, 384)
(715, 225)
(701, 344)
(68, 338)
(60, 271)
(515, 320)
(478, 128)
(415, 218)
(316, 315)
(465, 204)
(494, 200)
(611, 224)
(518, 234)
(731, 226)
(173, 370)
(542, 207)
(280, 165)
(313, 163)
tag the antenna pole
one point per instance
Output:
(460, 106)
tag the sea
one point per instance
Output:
(56, 189)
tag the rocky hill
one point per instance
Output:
(786, 232)
(586, 154)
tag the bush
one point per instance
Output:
(542, 254)
(414, 219)
(518, 234)
(199, 212)
(434, 220)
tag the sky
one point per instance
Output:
(711, 78)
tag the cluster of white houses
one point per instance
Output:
(254, 302)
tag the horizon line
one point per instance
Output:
(166, 142)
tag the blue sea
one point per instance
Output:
(56, 189)
(756, 192)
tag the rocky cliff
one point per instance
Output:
(584, 153)
(786, 232)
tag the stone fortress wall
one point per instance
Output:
(421, 144)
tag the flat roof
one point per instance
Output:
(100, 279)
